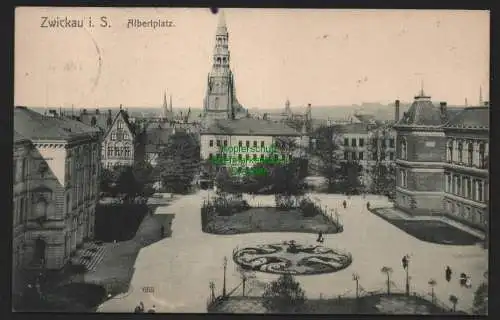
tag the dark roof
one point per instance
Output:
(101, 119)
(250, 126)
(421, 113)
(124, 116)
(471, 118)
(358, 128)
(36, 126)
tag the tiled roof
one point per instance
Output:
(250, 126)
(36, 126)
(471, 118)
(356, 128)
(421, 113)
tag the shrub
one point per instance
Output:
(284, 295)
(481, 299)
(309, 208)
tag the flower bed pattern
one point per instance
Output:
(293, 258)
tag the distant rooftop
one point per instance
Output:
(471, 118)
(250, 126)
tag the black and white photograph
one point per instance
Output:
(262, 161)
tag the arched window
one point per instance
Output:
(449, 151)
(224, 60)
(470, 153)
(216, 103)
(404, 151)
(218, 60)
(460, 152)
(482, 149)
(41, 206)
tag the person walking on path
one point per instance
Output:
(368, 205)
(448, 273)
(344, 203)
(139, 308)
(162, 231)
(320, 237)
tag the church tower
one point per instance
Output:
(220, 100)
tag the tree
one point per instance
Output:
(127, 183)
(454, 300)
(179, 162)
(481, 299)
(383, 173)
(326, 152)
(348, 177)
(284, 295)
(387, 271)
(143, 173)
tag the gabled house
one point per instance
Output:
(120, 144)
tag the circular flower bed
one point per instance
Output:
(290, 257)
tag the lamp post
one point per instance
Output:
(406, 265)
(212, 291)
(224, 283)
(355, 277)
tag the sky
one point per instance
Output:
(323, 57)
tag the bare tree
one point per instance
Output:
(326, 151)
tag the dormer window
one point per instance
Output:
(119, 124)
(113, 136)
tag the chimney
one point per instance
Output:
(84, 111)
(396, 110)
(97, 111)
(442, 108)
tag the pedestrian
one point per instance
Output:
(141, 304)
(344, 203)
(162, 231)
(468, 282)
(448, 273)
(463, 279)
(368, 205)
(138, 309)
(320, 237)
(152, 309)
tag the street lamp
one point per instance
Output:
(212, 290)
(406, 265)
(355, 277)
(224, 283)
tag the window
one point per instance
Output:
(24, 169)
(403, 178)
(361, 142)
(447, 183)
(262, 144)
(403, 149)
(211, 143)
(346, 155)
(255, 143)
(361, 156)
(21, 210)
(225, 143)
(240, 143)
(353, 155)
(210, 156)
(391, 156)
(391, 142)
(218, 143)
(127, 151)
(482, 163)
(247, 143)
(68, 204)
(375, 156)
(113, 136)
(460, 152)
(119, 124)
(382, 156)
(110, 151)
(346, 142)
(449, 152)
(468, 189)
(470, 154)
(479, 190)
(353, 142)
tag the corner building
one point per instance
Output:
(433, 176)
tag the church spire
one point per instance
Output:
(171, 103)
(221, 26)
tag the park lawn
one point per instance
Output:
(270, 219)
(373, 304)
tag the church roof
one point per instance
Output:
(36, 126)
(250, 126)
(471, 118)
(421, 113)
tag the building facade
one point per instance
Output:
(252, 140)
(56, 174)
(466, 174)
(440, 163)
(119, 143)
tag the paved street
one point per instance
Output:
(181, 267)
